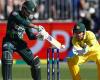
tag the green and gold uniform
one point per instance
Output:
(92, 54)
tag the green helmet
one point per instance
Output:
(30, 6)
(79, 27)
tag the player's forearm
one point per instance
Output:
(38, 28)
(33, 26)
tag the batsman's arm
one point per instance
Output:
(31, 25)
(24, 22)
(30, 34)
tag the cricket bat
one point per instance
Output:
(51, 39)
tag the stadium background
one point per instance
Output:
(58, 17)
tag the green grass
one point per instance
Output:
(22, 72)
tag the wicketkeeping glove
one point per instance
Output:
(80, 51)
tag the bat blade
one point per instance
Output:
(53, 41)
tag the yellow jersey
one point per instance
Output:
(89, 40)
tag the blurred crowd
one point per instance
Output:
(87, 11)
(6, 6)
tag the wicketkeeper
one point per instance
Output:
(85, 48)
(18, 23)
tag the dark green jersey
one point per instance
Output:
(17, 25)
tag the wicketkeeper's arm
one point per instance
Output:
(80, 50)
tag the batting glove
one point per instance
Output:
(40, 28)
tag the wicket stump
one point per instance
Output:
(52, 51)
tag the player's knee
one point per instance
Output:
(7, 57)
(36, 62)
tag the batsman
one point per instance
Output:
(85, 48)
(18, 23)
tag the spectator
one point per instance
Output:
(84, 4)
(75, 9)
(41, 10)
(1, 9)
(17, 4)
(14, 5)
(63, 9)
(53, 9)
(9, 6)
(87, 11)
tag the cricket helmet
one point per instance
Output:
(29, 6)
(79, 27)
